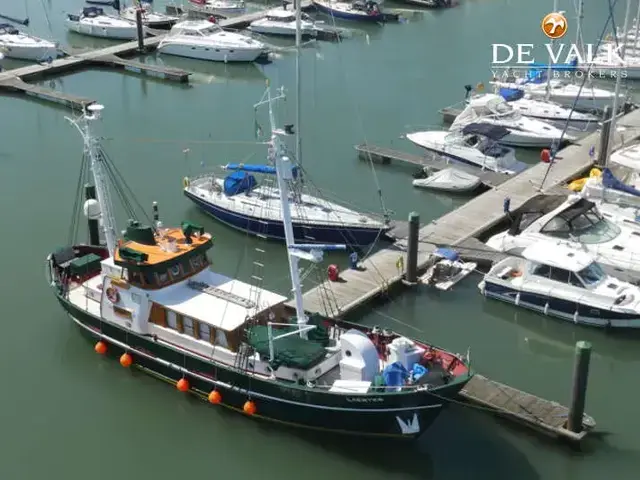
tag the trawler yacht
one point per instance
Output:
(562, 282)
(204, 40)
(151, 299)
(523, 131)
(579, 224)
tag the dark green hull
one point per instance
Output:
(370, 415)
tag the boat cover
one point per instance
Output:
(494, 132)
(511, 94)
(7, 28)
(292, 351)
(610, 181)
(266, 169)
(447, 253)
(538, 71)
(238, 182)
(92, 11)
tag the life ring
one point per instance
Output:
(185, 182)
(113, 295)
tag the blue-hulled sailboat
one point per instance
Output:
(362, 10)
(239, 201)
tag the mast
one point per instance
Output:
(616, 92)
(547, 94)
(285, 175)
(298, 4)
(635, 35)
(92, 149)
(579, 26)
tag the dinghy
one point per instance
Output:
(447, 180)
(447, 269)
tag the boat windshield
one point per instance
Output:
(583, 223)
(592, 274)
(500, 108)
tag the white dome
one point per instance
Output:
(91, 209)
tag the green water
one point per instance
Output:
(67, 413)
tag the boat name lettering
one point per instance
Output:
(365, 399)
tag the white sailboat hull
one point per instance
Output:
(34, 53)
(103, 31)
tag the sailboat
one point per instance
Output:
(241, 202)
(151, 299)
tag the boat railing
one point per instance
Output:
(423, 127)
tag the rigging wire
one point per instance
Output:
(586, 75)
(359, 118)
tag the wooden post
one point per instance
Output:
(140, 29)
(411, 275)
(604, 137)
(579, 389)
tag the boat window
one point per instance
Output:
(187, 325)
(158, 315)
(584, 226)
(542, 271)
(204, 332)
(575, 281)
(560, 275)
(221, 339)
(172, 320)
(592, 274)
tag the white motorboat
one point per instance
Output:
(150, 18)
(217, 6)
(94, 22)
(561, 282)
(446, 269)
(523, 131)
(20, 45)
(449, 180)
(475, 144)
(544, 110)
(577, 223)
(283, 22)
(564, 93)
(204, 40)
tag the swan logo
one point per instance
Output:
(554, 25)
(409, 427)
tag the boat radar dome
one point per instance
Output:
(91, 209)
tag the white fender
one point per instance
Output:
(575, 317)
(518, 299)
(546, 308)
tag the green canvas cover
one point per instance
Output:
(127, 253)
(293, 351)
(86, 264)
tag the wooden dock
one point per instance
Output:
(384, 155)
(383, 270)
(543, 415)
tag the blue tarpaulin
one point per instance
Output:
(265, 169)
(395, 375)
(537, 72)
(447, 253)
(610, 181)
(238, 182)
(511, 94)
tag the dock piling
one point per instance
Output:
(140, 27)
(579, 389)
(411, 275)
(604, 136)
